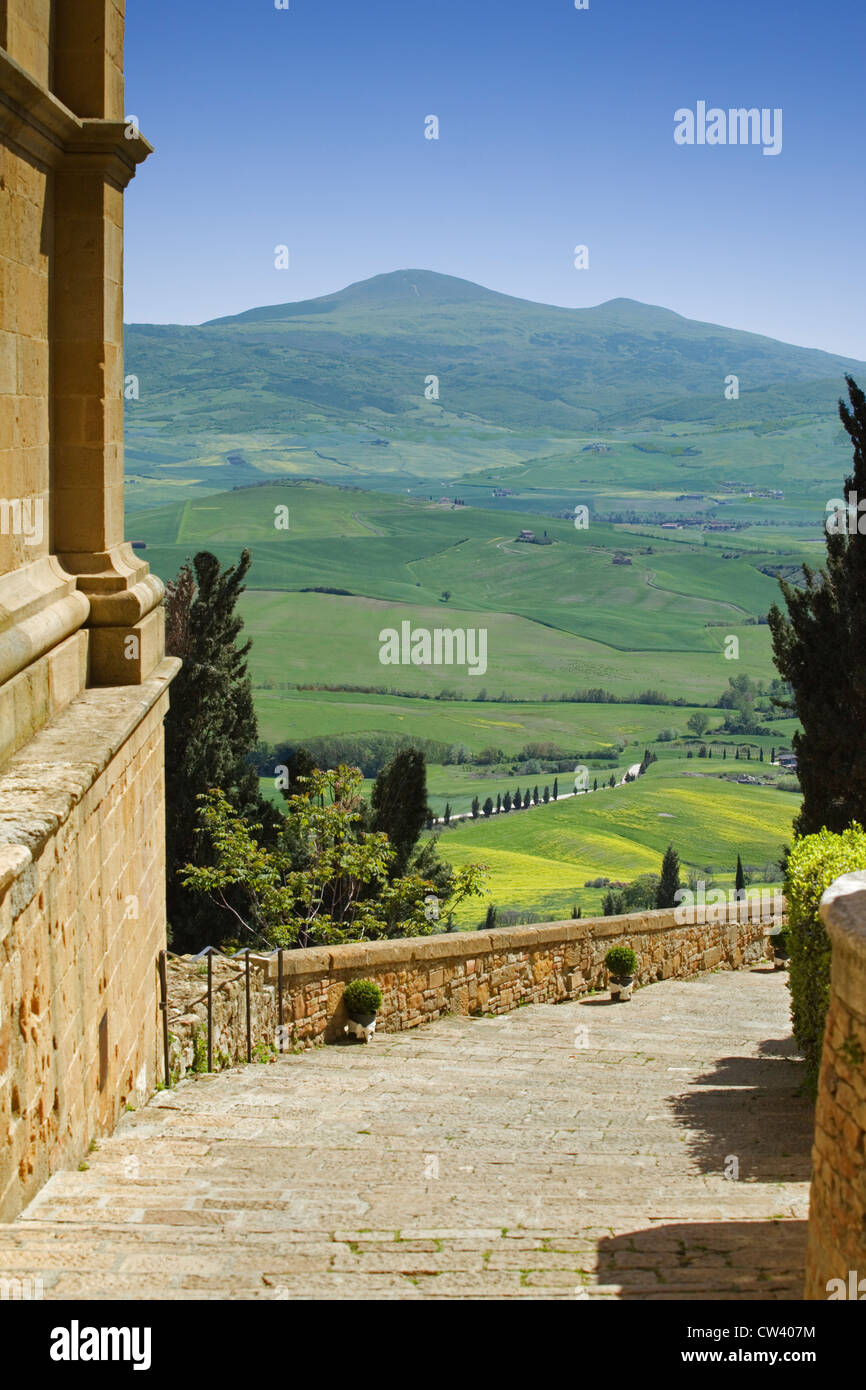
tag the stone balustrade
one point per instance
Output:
(424, 978)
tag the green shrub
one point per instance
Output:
(621, 961)
(813, 864)
(362, 997)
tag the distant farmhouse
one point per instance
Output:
(530, 538)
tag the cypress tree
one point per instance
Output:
(446, 815)
(535, 796)
(818, 647)
(488, 808)
(210, 730)
(740, 881)
(399, 804)
(506, 803)
(546, 797)
(555, 788)
(476, 807)
(498, 803)
(670, 879)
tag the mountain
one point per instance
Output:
(363, 355)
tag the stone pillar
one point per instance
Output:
(836, 1261)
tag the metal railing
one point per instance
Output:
(208, 999)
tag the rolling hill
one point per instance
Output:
(335, 387)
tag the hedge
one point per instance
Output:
(813, 864)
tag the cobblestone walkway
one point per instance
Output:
(562, 1151)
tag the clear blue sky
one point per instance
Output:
(306, 127)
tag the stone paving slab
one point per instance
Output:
(565, 1151)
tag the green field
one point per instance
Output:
(624, 607)
(540, 859)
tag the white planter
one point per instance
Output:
(362, 1028)
(621, 989)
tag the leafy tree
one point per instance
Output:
(399, 804)
(210, 733)
(325, 881)
(488, 808)
(670, 879)
(698, 722)
(739, 700)
(819, 649)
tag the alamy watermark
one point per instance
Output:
(719, 905)
(736, 126)
(441, 646)
(22, 516)
(845, 515)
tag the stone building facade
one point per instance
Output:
(83, 676)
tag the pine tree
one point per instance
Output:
(399, 804)
(555, 788)
(210, 731)
(740, 881)
(670, 879)
(818, 647)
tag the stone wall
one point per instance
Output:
(424, 978)
(82, 921)
(837, 1216)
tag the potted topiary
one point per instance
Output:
(363, 1000)
(621, 962)
(781, 944)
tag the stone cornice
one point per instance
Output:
(35, 121)
(41, 784)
